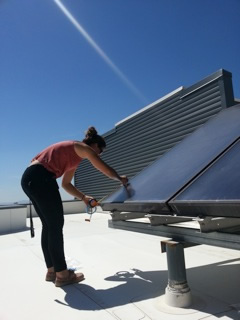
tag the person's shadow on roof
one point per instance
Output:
(133, 283)
(217, 281)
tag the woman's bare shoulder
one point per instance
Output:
(82, 149)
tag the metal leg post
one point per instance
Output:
(177, 293)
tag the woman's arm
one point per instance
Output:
(69, 187)
(84, 151)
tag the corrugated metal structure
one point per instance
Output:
(141, 138)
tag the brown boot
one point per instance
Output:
(70, 279)
(50, 276)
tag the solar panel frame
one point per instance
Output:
(216, 190)
(156, 185)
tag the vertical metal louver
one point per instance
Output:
(140, 139)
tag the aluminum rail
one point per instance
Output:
(182, 232)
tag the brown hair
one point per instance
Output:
(91, 137)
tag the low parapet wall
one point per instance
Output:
(13, 217)
(69, 207)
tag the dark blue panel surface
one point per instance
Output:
(158, 183)
(216, 191)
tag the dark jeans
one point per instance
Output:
(41, 187)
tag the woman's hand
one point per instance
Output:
(87, 199)
(124, 180)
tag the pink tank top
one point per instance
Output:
(59, 158)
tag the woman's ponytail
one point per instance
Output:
(91, 137)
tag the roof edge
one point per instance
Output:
(212, 77)
(150, 105)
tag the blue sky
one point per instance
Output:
(59, 76)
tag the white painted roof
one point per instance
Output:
(125, 273)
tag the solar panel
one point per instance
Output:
(216, 191)
(157, 184)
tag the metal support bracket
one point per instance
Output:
(121, 216)
(185, 245)
(209, 224)
(157, 220)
